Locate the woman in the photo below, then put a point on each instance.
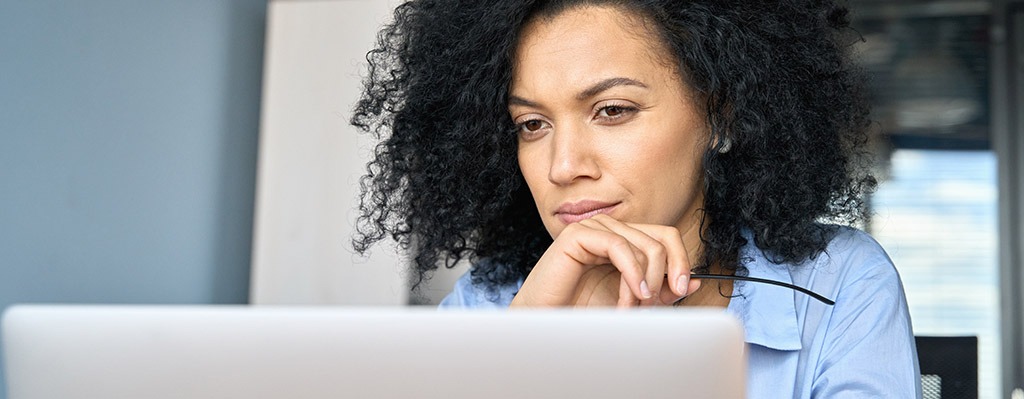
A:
(600, 153)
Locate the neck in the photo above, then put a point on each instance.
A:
(715, 293)
(690, 231)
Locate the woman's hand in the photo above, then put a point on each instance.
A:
(601, 261)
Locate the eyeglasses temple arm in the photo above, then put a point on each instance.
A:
(812, 294)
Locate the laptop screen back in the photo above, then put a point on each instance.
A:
(294, 352)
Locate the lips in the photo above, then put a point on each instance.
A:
(574, 212)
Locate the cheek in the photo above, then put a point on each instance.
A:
(662, 167)
(535, 171)
(683, 158)
(530, 166)
(680, 146)
(654, 158)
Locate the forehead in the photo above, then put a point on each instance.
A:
(589, 43)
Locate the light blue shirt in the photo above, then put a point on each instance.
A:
(861, 347)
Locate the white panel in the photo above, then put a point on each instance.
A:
(311, 160)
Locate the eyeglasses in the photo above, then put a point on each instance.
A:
(803, 290)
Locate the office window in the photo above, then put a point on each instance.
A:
(936, 208)
(936, 215)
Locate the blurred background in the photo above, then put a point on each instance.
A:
(197, 152)
(943, 124)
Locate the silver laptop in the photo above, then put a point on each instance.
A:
(295, 352)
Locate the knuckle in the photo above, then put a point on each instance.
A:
(590, 223)
(572, 229)
(617, 241)
(641, 257)
(657, 249)
(671, 232)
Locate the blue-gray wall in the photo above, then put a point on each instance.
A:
(128, 153)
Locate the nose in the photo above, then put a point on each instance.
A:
(572, 156)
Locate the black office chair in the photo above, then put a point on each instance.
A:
(949, 367)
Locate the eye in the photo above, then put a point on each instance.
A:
(615, 112)
(532, 128)
(612, 111)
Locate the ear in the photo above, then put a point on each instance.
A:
(726, 145)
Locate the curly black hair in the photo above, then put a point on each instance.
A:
(774, 79)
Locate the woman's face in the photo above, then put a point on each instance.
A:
(606, 124)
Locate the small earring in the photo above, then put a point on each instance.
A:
(726, 145)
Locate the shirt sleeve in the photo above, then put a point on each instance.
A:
(869, 348)
(469, 295)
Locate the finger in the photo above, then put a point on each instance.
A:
(653, 249)
(626, 298)
(678, 260)
(556, 275)
(588, 246)
(694, 285)
(592, 224)
(668, 296)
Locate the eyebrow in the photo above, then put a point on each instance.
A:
(592, 91)
(606, 84)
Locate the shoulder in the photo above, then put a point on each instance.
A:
(848, 241)
(472, 293)
(862, 345)
(851, 256)
(854, 271)
(866, 341)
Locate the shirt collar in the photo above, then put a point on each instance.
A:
(768, 312)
